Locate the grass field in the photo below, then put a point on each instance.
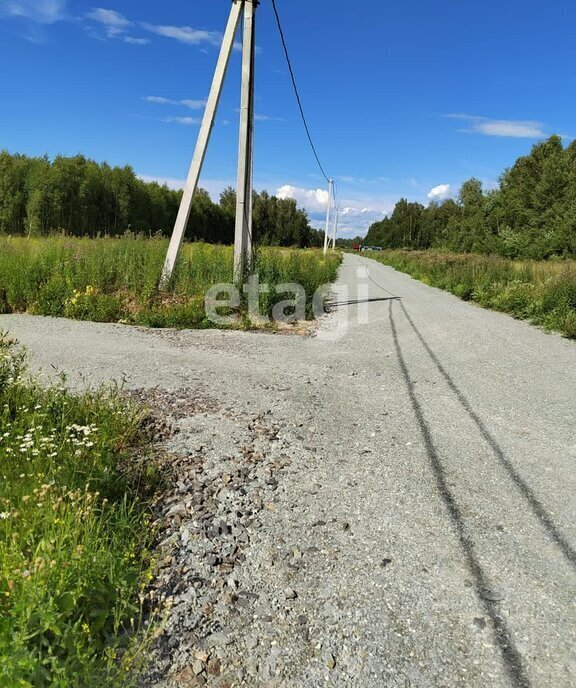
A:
(112, 280)
(543, 292)
(73, 535)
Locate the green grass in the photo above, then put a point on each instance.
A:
(115, 280)
(542, 292)
(73, 533)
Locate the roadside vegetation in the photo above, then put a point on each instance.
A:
(531, 214)
(115, 280)
(73, 534)
(543, 292)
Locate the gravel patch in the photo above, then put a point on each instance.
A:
(223, 472)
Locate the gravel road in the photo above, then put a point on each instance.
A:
(416, 520)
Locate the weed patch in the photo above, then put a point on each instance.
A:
(73, 535)
(115, 280)
(543, 292)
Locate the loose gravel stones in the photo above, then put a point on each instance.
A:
(492, 595)
(222, 472)
(231, 577)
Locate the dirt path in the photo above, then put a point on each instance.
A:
(405, 483)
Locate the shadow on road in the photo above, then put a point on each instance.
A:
(339, 304)
(510, 654)
(526, 491)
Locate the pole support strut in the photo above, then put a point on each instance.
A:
(243, 233)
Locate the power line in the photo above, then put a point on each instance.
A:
(296, 91)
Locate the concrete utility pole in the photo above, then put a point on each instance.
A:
(335, 230)
(328, 213)
(243, 233)
(243, 236)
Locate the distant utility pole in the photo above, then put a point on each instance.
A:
(328, 213)
(335, 230)
(243, 232)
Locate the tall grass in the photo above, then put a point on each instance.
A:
(543, 292)
(113, 280)
(72, 535)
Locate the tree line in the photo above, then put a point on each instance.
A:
(80, 197)
(532, 213)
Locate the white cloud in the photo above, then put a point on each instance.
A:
(312, 200)
(160, 100)
(40, 11)
(194, 104)
(259, 117)
(136, 41)
(187, 121)
(186, 34)
(355, 220)
(114, 23)
(359, 211)
(190, 104)
(356, 214)
(440, 192)
(527, 129)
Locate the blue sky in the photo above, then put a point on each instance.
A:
(403, 98)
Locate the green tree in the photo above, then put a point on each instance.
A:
(13, 173)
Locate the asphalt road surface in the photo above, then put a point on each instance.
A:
(442, 435)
